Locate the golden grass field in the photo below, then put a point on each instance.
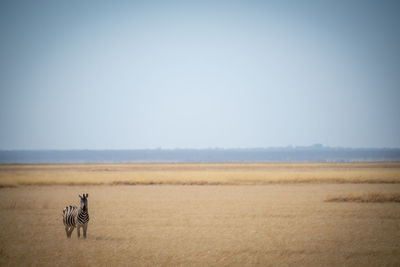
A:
(272, 214)
(199, 174)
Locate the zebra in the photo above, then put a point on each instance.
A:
(76, 217)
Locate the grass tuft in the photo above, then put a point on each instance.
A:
(366, 197)
(8, 186)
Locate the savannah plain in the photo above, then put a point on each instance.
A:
(250, 214)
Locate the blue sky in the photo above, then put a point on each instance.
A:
(198, 74)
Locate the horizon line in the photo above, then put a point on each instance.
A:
(314, 146)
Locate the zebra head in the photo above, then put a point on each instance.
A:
(84, 203)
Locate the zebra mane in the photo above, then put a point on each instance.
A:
(84, 196)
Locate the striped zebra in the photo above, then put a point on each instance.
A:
(76, 217)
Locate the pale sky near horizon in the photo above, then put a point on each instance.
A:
(199, 74)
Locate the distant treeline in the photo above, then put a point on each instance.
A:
(314, 153)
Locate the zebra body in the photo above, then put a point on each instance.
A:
(76, 217)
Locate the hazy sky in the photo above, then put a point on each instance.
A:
(198, 74)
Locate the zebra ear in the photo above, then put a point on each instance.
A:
(87, 195)
(79, 196)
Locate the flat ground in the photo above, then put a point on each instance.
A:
(200, 225)
(219, 225)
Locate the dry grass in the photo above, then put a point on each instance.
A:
(281, 219)
(199, 174)
(366, 197)
(269, 225)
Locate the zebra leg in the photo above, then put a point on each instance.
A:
(67, 232)
(78, 229)
(84, 230)
(71, 229)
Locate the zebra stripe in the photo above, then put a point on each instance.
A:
(83, 217)
(69, 215)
